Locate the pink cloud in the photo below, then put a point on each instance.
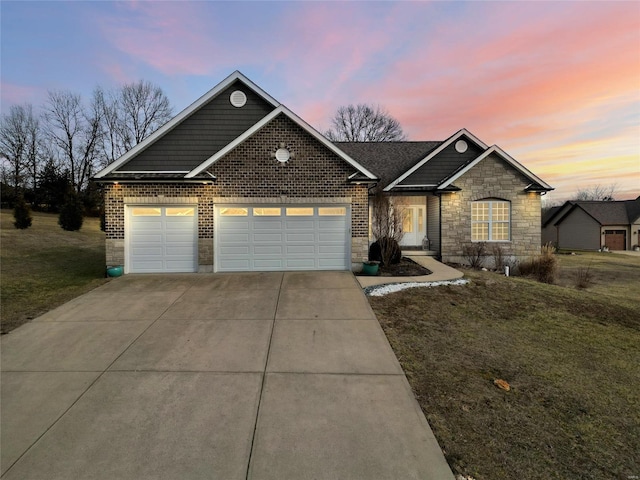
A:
(12, 94)
(171, 37)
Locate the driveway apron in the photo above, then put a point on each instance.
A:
(224, 376)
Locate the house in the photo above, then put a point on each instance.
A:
(238, 182)
(585, 225)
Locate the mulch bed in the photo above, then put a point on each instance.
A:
(406, 268)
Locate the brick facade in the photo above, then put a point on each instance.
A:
(491, 178)
(251, 173)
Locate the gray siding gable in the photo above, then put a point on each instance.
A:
(443, 165)
(202, 134)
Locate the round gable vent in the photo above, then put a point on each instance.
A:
(238, 99)
(283, 155)
(461, 146)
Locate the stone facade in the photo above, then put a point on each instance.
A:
(491, 178)
(250, 174)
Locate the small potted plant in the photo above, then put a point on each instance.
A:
(636, 248)
(370, 267)
(605, 248)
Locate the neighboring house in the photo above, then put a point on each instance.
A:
(582, 225)
(238, 182)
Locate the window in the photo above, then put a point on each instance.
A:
(490, 221)
(266, 212)
(299, 212)
(145, 212)
(234, 212)
(332, 211)
(180, 211)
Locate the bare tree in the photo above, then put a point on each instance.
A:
(145, 108)
(364, 123)
(598, 192)
(387, 215)
(129, 115)
(75, 131)
(19, 132)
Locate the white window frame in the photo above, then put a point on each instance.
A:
(490, 221)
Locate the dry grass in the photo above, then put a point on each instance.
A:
(570, 356)
(44, 266)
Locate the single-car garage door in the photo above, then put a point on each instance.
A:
(161, 239)
(615, 239)
(265, 237)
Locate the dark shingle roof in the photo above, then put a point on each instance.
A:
(606, 213)
(633, 209)
(387, 160)
(548, 215)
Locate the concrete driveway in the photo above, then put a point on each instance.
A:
(224, 376)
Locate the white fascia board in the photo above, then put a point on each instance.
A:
(327, 143)
(304, 125)
(153, 171)
(414, 186)
(221, 153)
(167, 127)
(505, 156)
(442, 146)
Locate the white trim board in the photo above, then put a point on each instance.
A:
(171, 124)
(435, 152)
(261, 124)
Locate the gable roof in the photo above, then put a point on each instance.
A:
(185, 170)
(536, 182)
(433, 153)
(429, 165)
(620, 212)
(183, 115)
(388, 160)
(281, 110)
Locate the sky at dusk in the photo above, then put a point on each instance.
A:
(555, 84)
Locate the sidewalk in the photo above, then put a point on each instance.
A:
(440, 272)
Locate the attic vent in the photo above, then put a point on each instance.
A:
(238, 99)
(461, 146)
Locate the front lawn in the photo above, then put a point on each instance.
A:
(44, 266)
(571, 357)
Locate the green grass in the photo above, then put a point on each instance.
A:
(571, 356)
(44, 266)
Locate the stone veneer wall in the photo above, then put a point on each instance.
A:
(491, 178)
(250, 173)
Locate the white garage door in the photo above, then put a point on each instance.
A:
(263, 238)
(161, 239)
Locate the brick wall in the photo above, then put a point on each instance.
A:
(491, 178)
(251, 173)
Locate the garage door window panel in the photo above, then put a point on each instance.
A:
(234, 212)
(267, 212)
(300, 212)
(146, 212)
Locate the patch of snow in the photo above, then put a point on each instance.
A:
(380, 290)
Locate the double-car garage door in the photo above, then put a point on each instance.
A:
(265, 237)
(247, 238)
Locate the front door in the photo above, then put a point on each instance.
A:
(414, 225)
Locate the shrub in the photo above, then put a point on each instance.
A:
(584, 277)
(71, 212)
(543, 268)
(475, 254)
(21, 214)
(386, 251)
(499, 260)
